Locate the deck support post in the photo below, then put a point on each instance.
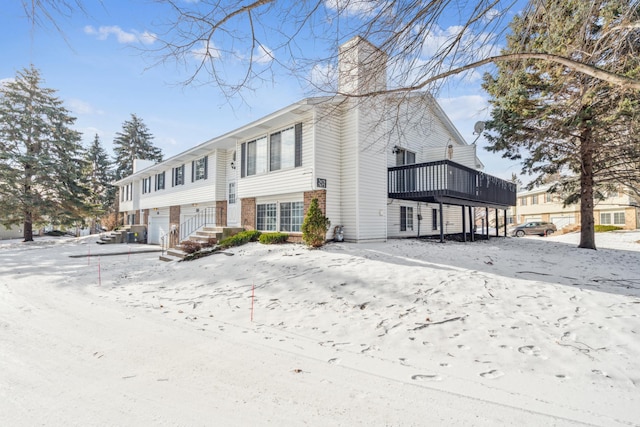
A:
(464, 226)
(497, 226)
(472, 225)
(505, 223)
(486, 215)
(441, 224)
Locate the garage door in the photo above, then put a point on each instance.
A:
(563, 221)
(158, 227)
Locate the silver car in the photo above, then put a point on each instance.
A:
(535, 227)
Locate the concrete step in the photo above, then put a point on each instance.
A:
(176, 252)
(169, 258)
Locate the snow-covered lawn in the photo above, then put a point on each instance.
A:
(529, 331)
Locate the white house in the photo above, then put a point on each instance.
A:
(381, 167)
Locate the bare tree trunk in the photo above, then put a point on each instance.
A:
(28, 227)
(587, 231)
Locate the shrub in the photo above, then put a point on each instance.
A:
(189, 246)
(240, 238)
(211, 242)
(605, 228)
(315, 226)
(273, 238)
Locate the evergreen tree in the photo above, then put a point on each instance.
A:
(40, 157)
(98, 177)
(134, 142)
(315, 226)
(565, 124)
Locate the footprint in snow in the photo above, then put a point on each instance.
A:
(492, 374)
(426, 377)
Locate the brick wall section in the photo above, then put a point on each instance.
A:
(136, 221)
(221, 213)
(248, 213)
(145, 218)
(174, 222)
(321, 195)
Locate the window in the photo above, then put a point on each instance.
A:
(257, 156)
(283, 150)
(126, 192)
(404, 157)
(534, 199)
(406, 218)
(199, 169)
(146, 185)
(523, 201)
(548, 198)
(618, 218)
(291, 216)
(282, 146)
(177, 175)
(232, 193)
(160, 181)
(434, 219)
(266, 217)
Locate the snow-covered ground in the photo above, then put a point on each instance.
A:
(529, 331)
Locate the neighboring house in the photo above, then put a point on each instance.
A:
(380, 167)
(14, 232)
(617, 209)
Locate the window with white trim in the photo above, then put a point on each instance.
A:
(404, 157)
(232, 193)
(276, 151)
(160, 181)
(291, 216)
(534, 199)
(406, 218)
(146, 185)
(266, 217)
(177, 176)
(199, 169)
(618, 218)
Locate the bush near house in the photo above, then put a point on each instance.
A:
(273, 238)
(211, 242)
(240, 238)
(190, 247)
(315, 226)
(605, 228)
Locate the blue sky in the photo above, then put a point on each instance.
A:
(101, 73)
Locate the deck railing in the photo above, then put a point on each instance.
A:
(444, 178)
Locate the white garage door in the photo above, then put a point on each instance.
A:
(563, 221)
(158, 227)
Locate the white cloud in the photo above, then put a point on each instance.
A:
(103, 32)
(324, 76)
(82, 107)
(208, 50)
(354, 7)
(263, 55)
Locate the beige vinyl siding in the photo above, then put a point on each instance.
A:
(348, 174)
(222, 164)
(327, 140)
(282, 181)
(372, 175)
